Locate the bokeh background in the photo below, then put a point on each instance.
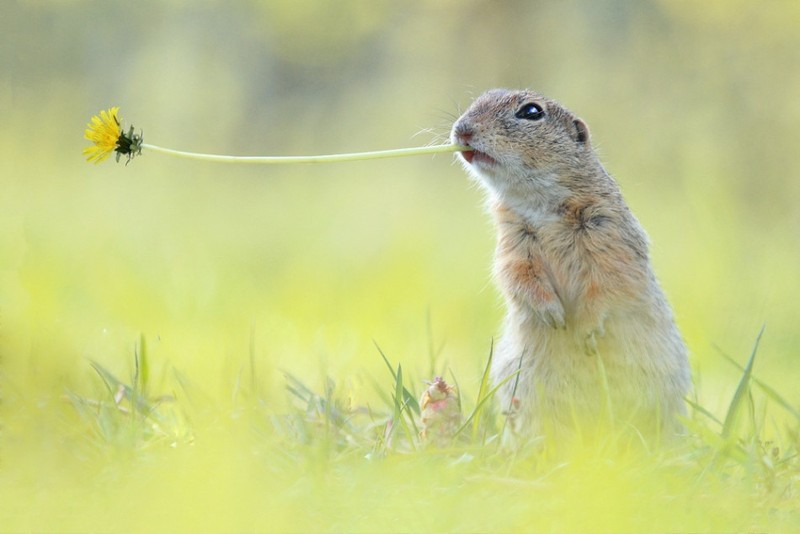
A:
(224, 269)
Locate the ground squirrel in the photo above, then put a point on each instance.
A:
(587, 327)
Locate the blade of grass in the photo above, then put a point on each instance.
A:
(397, 408)
(457, 386)
(111, 382)
(413, 431)
(741, 391)
(513, 394)
(703, 411)
(771, 393)
(483, 401)
(139, 403)
(482, 389)
(398, 392)
(409, 398)
(298, 388)
(142, 367)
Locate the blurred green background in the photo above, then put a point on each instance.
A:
(694, 108)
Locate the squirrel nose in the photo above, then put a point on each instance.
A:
(462, 133)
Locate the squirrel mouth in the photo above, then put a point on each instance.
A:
(475, 157)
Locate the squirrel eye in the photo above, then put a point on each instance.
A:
(531, 112)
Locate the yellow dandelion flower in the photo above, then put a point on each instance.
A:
(105, 133)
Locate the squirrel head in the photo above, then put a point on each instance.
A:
(520, 139)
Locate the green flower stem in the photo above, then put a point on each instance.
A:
(330, 158)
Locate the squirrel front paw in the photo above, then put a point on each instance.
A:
(552, 314)
(590, 340)
(527, 283)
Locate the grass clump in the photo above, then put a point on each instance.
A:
(127, 415)
(318, 457)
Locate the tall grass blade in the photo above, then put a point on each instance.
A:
(142, 366)
(139, 403)
(458, 388)
(398, 405)
(297, 388)
(482, 390)
(407, 396)
(513, 392)
(398, 394)
(695, 406)
(484, 400)
(771, 393)
(741, 391)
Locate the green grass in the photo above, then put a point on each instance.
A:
(155, 451)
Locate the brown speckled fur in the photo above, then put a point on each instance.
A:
(587, 325)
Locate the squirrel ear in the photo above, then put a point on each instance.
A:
(581, 132)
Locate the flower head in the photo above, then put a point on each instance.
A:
(441, 413)
(105, 132)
